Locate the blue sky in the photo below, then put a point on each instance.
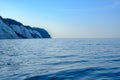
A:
(67, 18)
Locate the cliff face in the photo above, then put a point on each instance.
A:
(11, 29)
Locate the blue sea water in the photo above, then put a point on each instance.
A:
(60, 59)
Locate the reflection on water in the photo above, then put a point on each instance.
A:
(60, 59)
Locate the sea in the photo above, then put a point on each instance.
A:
(60, 59)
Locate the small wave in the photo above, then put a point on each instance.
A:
(65, 56)
(79, 74)
(66, 62)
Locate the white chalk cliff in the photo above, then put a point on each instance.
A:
(11, 29)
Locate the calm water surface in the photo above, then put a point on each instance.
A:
(60, 59)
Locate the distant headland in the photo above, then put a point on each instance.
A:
(12, 29)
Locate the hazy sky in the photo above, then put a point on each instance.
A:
(67, 18)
